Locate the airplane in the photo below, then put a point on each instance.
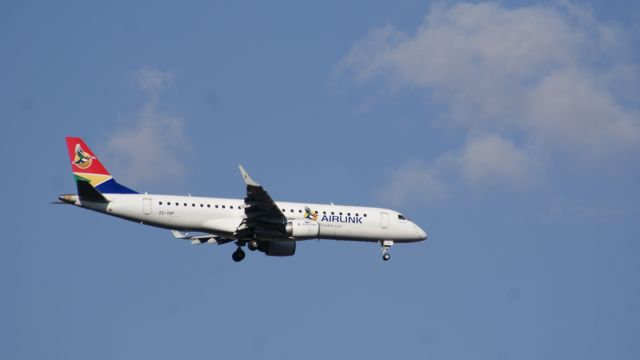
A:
(257, 221)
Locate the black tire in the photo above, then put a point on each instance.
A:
(238, 255)
(386, 257)
(252, 245)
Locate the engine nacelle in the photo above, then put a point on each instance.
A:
(278, 247)
(303, 229)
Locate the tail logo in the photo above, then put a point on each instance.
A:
(310, 215)
(82, 159)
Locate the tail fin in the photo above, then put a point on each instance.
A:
(89, 172)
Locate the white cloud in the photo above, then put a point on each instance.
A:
(548, 76)
(491, 160)
(570, 111)
(416, 180)
(153, 80)
(151, 147)
(486, 162)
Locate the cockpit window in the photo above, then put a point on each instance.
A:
(400, 217)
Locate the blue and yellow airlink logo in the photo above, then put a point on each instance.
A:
(313, 215)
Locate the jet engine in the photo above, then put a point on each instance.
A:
(303, 229)
(278, 247)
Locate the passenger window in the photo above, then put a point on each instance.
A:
(324, 213)
(185, 204)
(208, 205)
(231, 207)
(193, 205)
(348, 214)
(341, 213)
(160, 203)
(223, 206)
(177, 204)
(356, 214)
(300, 211)
(365, 215)
(201, 205)
(332, 213)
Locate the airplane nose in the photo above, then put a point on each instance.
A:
(422, 235)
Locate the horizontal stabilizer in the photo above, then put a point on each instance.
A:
(86, 192)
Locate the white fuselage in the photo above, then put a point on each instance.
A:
(222, 217)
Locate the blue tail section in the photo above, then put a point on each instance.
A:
(111, 186)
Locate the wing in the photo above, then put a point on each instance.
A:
(201, 239)
(264, 220)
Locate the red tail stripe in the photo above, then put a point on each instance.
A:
(88, 165)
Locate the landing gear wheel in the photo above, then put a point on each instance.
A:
(252, 245)
(386, 244)
(238, 255)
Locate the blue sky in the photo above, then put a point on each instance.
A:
(510, 131)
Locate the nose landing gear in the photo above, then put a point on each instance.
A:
(386, 244)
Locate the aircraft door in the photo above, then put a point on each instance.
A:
(384, 220)
(146, 206)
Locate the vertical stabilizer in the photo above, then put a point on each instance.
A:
(89, 170)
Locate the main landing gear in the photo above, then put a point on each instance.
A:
(252, 245)
(386, 244)
(239, 254)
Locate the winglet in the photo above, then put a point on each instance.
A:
(247, 179)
